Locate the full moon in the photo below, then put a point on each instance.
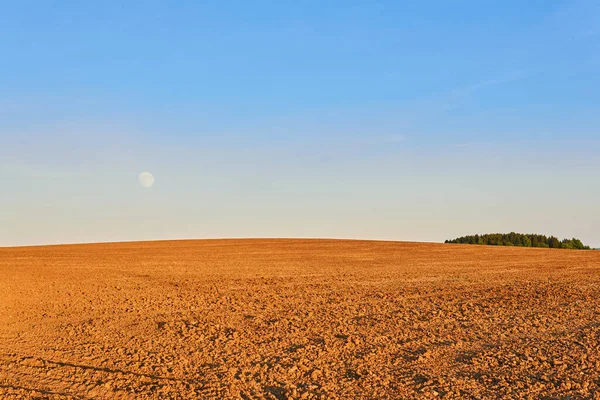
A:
(146, 179)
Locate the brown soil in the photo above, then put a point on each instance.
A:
(298, 319)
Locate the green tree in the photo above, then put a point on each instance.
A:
(521, 240)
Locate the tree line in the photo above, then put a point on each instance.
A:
(522, 240)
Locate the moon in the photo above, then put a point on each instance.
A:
(146, 179)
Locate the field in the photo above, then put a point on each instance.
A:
(298, 319)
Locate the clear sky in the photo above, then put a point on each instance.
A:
(349, 119)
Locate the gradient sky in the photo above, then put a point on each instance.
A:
(349, 119)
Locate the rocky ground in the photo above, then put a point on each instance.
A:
(298, 319)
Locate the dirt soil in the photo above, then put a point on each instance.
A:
(298, 319)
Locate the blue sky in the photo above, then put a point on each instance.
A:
(371, 119)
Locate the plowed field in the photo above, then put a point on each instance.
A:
(298, 319)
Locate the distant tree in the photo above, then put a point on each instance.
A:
(566, 244)
(521, 240)
(553, 242)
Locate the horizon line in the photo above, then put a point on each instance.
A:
(215, 239)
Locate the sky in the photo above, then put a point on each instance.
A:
(337, 119)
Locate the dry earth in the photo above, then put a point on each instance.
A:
(298, 319)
